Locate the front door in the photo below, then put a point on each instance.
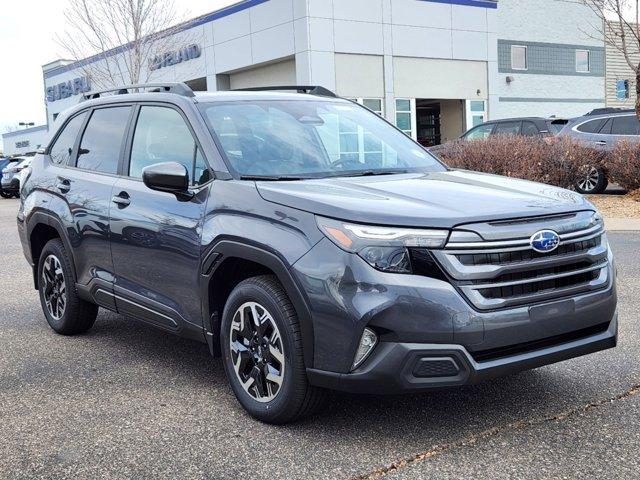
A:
(155, 236)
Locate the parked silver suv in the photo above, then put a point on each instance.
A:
(602, 128)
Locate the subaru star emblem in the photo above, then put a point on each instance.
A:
(545, 241)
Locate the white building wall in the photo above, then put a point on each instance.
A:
(24, 141)
(553, 24)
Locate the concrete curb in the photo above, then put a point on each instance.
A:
(622, 224)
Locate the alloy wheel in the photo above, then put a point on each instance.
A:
(257, 352)
(54, 287)
(590, 180)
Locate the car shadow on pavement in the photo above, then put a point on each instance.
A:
(188, 362)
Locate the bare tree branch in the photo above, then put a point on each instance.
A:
(114, 40)
(620, 30)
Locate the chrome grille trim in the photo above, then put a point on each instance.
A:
(524, 242)
(509, 273)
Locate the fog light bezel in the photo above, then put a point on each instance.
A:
(366, 333)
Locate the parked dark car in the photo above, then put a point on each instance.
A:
(602, 129)
(526, 126)
(235, 219)
(9, 181)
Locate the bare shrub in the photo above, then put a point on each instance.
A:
(623, 165)
(559, 161)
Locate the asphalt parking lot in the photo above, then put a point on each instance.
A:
(127, 401)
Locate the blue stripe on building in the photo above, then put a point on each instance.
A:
(468, 3)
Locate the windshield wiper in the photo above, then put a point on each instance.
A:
(269, 178)
(370, 173)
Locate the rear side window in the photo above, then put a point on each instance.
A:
(627, 125)
(162, 135)
(102, 140)
(592, 126)
(529, 129)
(507, 128)
(62, 148)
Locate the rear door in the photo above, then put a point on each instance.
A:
(155, 235)
(84, 185)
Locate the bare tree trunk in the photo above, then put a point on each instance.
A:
(638, 93)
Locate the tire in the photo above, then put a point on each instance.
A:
(65, 312)
(16, 195)
(594, 181)
(294, 398)
(4, 194)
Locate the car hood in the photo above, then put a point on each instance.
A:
(442, 199)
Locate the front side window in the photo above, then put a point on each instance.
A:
(518, 57)
(161, 135)
(60, 151)
(102, 140)
(311, 139)
(582, 61)
(479, 133)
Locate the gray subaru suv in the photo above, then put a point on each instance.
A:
(310, 244)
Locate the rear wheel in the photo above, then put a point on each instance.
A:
(262, 353)
(65, 312)
(4, 194)
(594, 181)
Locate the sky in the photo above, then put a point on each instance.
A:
(27, 41)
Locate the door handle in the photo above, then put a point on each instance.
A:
(122, 199)
(63, 184)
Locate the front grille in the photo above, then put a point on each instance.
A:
(525, 255)
(508, 273)
(538, 287)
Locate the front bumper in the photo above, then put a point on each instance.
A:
(414, 367)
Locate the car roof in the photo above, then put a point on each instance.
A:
(519, 119)
(199, 97)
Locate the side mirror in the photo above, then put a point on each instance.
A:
(169, 177)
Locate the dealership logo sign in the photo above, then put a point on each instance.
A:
(68, 89)
(174, 57)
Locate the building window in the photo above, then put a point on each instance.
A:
(582, 61)
(622, 89)
(357, 144)
(403, 116)
(518, 57)
(373, 104)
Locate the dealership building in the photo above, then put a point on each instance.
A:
(432, 67)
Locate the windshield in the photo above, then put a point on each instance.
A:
(311, 139)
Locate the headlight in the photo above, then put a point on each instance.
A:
(384, 248)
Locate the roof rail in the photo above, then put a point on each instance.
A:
(603, 111)
(177, 88)
(308, 89)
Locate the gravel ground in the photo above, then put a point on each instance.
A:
(616, 206)
(128, 401)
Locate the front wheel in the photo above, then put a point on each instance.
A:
(594, 181)
(262, 353)
(4, 194)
